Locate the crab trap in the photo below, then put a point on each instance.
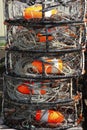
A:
(60, 10)
(44, 58)
(61, 117)
(25, 90)
(33, 104)
(45, 65)
(57, 38)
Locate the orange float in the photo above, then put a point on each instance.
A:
(49, 116)
(43, 38)
(35, 11)
(54, 66)
(25, 89)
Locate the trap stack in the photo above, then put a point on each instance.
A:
(44, 59)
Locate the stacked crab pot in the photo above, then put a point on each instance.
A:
(44, 59)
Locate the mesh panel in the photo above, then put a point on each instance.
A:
(63, 10)
(28, 64)
(58, 38)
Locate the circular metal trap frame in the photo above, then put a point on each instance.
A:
(44, 65)
(66, 38)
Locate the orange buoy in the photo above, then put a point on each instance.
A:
(25, 89)
(43, 38)
(49, 116)
(35, 11)
(54, 66)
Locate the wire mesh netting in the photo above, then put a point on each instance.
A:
(39, 91)
(62, 10)
(23, 117)
(57, 38)
(44, 64)
(44, 58)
